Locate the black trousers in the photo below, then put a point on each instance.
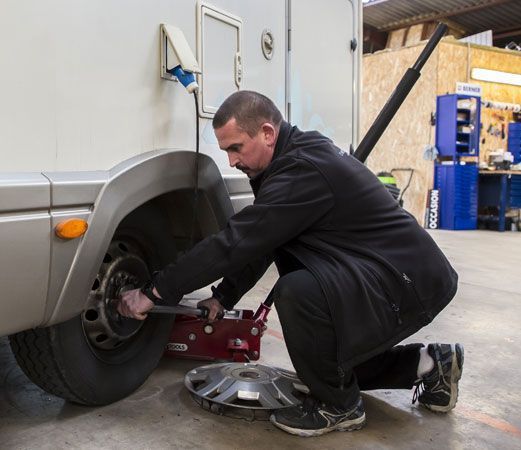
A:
(311, 342)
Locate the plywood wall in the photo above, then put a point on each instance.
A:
(414, 34)
(396, 38)
(403, 143)
(495, 122)
(452, 66)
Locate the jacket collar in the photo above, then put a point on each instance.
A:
(283, 139)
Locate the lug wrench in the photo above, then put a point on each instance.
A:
(164, 309)
(186, 310)
(201, 312)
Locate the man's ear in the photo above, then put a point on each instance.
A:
(269, 132)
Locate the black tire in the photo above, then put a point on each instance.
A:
(68, 361)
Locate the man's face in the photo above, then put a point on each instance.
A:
(251, 155)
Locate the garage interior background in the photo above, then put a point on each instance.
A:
(396, 31)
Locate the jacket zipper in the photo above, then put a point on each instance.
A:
(394, 306)
(409, 282)
(396, 310)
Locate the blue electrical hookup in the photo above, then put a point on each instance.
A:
(187, 79)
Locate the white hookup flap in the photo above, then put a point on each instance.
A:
(180, 46)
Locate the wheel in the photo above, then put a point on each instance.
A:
(99, 357)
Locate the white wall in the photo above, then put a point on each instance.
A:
(80, 86)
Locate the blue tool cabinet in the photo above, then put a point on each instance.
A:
(514, 141)
(457, 136)
(458, 187)
(457, 125)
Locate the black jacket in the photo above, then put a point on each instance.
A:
(383, 276)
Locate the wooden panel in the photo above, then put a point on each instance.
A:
(452, 66)
(428, 29)
(496, 59)
(456, 60)
(414, 34)
(495, 122)
(396, 38)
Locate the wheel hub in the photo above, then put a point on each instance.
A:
(122, 269)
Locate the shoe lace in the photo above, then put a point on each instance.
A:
(419, 388)
(424, 384)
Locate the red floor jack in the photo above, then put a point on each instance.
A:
(236, 337)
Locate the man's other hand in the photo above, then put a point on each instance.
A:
(134, 304)
(215, 308)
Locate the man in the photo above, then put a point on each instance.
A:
(357, 272)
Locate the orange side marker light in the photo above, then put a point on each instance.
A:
(71, 228)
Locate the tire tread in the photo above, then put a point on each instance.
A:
(34, 354)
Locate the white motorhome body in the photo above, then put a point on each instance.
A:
(89, 129)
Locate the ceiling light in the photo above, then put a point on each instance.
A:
(496, 76)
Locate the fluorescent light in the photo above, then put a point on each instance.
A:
(496, 76)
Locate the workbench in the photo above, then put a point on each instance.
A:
(501, 189)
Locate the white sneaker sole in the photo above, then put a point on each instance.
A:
(350, 425)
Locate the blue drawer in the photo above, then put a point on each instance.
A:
(514, 135)
(515, 191)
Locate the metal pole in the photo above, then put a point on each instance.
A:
(397, 97)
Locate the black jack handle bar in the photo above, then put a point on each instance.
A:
(398, 96)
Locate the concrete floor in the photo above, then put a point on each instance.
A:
(485, 317)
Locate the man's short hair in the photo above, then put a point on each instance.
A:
(250, 110)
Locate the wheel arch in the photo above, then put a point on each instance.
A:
(161, 181)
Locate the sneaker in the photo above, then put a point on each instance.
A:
(439, 387)
(313, 418)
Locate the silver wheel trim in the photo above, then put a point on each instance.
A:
(244, 386)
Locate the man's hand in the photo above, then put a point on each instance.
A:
(134, 304)
(214, 308)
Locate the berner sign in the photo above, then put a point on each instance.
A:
(468, 89)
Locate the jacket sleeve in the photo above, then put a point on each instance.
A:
(234, 286)
(293, 197)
